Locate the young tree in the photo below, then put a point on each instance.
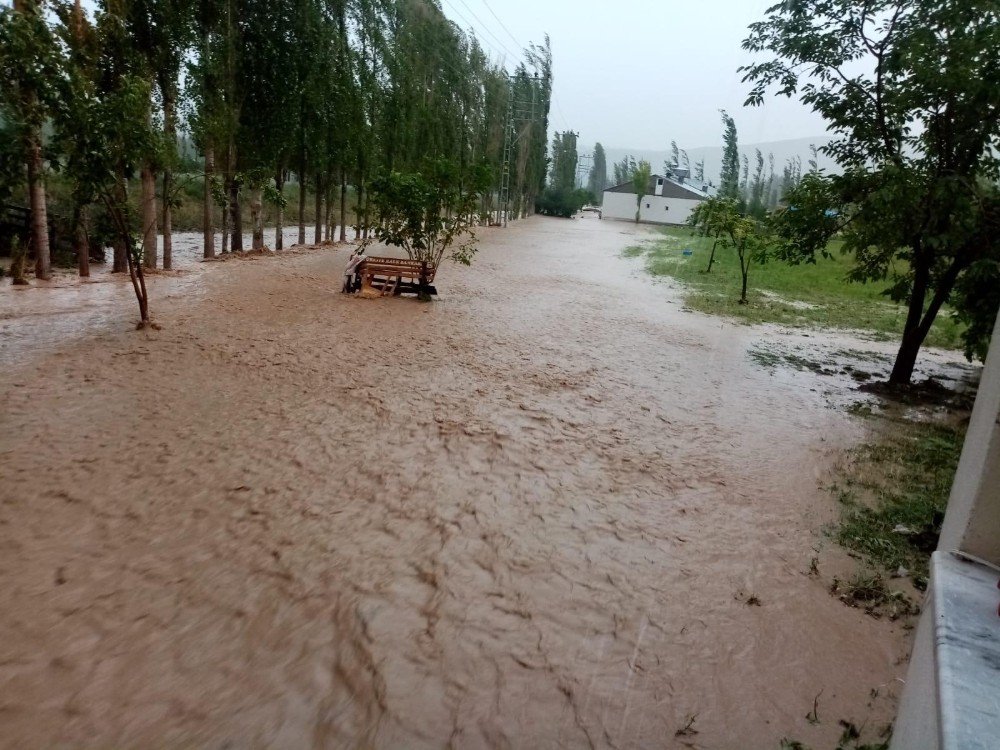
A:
(428, 213)
(675, 159)
(729, 179)
(749, 237)
(640, 182)
(911, 90)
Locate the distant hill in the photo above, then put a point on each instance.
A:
(782, 150)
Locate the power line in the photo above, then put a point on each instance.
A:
(473, 27)
(502, 26)
(487, 28)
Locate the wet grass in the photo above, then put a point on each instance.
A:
(770, 358)
(894, 491)
(868, 590)
(807, 295)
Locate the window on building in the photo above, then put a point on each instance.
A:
(647, 205)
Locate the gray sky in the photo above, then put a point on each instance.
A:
(638, 73)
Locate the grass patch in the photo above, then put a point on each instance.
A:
(894, 492)
(807, 295)
(868, 590)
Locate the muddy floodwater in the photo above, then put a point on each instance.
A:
(550, 509)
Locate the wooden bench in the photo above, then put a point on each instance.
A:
(395, 276)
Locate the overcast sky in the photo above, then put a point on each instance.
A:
(638, 73)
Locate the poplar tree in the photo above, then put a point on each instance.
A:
(598, 179)
(729, 179)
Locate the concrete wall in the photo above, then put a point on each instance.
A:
(660, 210)
(972, 523)
(972, 527)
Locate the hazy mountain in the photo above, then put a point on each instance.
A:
(782, 150)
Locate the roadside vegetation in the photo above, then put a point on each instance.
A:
(894, 491)
(807, 295)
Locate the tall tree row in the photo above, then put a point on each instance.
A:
(316, 98)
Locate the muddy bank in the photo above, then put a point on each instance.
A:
(532, 513)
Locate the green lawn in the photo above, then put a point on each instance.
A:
(807, 295)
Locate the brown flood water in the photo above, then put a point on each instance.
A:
(529, 514)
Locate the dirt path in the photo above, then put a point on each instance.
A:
(530, 514)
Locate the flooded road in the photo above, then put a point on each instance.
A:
(550, 509)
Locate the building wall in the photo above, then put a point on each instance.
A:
(661, 210)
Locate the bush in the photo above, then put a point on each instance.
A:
(563, 203)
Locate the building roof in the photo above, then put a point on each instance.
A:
(671, 189)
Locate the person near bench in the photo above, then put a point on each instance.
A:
(352, 277)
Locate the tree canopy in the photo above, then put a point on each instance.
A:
(911, 91)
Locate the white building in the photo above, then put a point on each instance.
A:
(668, 200)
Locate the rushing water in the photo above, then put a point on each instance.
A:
(538, 512)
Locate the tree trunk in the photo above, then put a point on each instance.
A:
(279, 219)
(168, 245)
(328, 209)
(711, 257)
(318, 234)
(39, 209)
(257, 219)
(365, 216)
(906, 357)
(357, 211)
(120, 264)
(207, 225)
(225, 220)
(302, 206)
(81, 245)
(918, 321)
(115, 207)
(138, 284)
(745, 273)
(170, 133)
(148, 215)
(343, 205)
(236, 236)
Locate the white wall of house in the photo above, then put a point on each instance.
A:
(655, 209)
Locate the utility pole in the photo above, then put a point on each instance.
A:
(584, 164)
(508, 147)
(511, 139)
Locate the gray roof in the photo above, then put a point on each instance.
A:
(671, 189)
